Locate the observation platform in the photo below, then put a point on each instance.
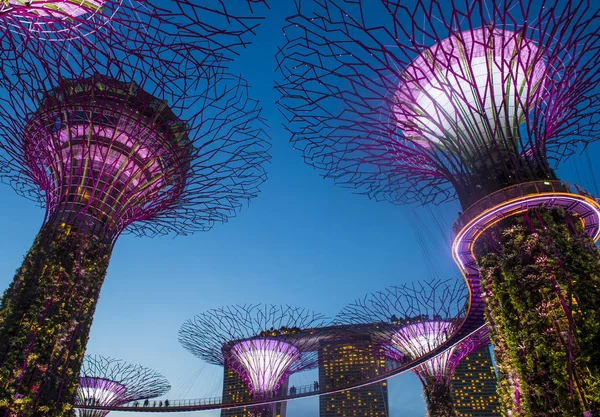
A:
(505, 203)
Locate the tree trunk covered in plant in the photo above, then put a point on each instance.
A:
(438, 397)
(45, 319)
(540, 277)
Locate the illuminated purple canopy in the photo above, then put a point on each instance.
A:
(109, 161)
(99, 391)
(38, 9)
(263, 363)
(106, 381)
(472, 87)
(418, 339)
(264, 344)
(101, 25)
(417, 319)
(57, 19)
(425, 101)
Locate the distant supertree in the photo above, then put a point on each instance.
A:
(419, 318)
(111, 149)
(264, 344)
(424, 101)
(112, 382)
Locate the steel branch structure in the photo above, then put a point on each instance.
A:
(109, 154)
(112, 382)
(264, 344)
(419, 318)
(167, 142)
(420, 101)
(52, 31)
(424, 101)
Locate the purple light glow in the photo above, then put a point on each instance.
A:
(548, 194)
(264, 363)
(99, 391)
(55, 20)
(35, 9)
(418, 339)
(134, 165)
(469, 88)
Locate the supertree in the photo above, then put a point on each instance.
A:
(115, 147)
(263, 344)
(425, 101)
(418, 318)
(106, 381)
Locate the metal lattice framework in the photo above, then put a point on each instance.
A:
(116, 154)
(425, 101)
(418, 318)
(264, 344)
(52, 30)
(165, 61)
(110, 382)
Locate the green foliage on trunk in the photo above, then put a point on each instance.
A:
(438, 397)
(45, 318)
(540, 277)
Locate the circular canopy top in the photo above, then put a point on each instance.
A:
(263, 363)
(474, 87)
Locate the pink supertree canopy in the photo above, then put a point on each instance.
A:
(427, 101)
(110, 154)
(102, 25)
(471, 90)
(417, 320)
(39, 9)
(264, 344)
(263, 363)
(98, 391)
(57, 19)
(134, 167)
(418, 339)
(110, 382)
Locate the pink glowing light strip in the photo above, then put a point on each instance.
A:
(531, 202)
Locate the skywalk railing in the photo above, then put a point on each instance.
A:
(513, 192)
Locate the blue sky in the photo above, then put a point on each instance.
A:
(302, 242)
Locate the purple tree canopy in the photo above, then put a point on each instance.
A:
(122, 113)
(418, 318)
(264, 363)
(264, 344)
(53, 30)
(128, 151)
(425, 101)
(110, 382)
